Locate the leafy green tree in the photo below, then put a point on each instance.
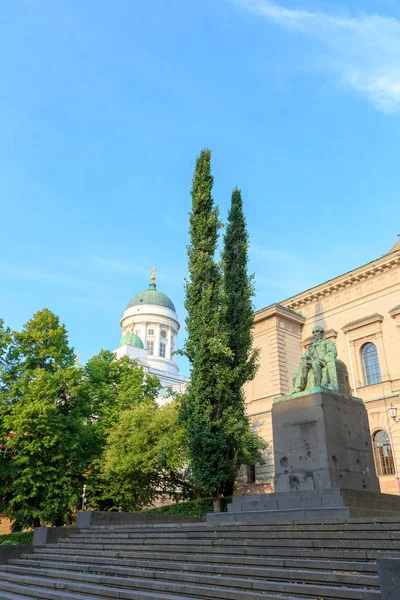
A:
(48, 450)
(9, 361)
(238, 316)
(5, 341)
(6, 473)
(43, 343)
(145, 456)
(42, 425)
(109, 387)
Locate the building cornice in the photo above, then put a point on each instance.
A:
(150, 316)
(395, 312)
(375, 318)
(277, 310)
(379, 266)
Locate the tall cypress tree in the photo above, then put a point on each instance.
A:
(238, 293)
(219, 436)
(244, 446)
(206, 345)
(203, 290)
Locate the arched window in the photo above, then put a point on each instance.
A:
(369, 355)
(383, 453)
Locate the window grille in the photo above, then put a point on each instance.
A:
(383, 453)
(372, 372)
(150, 332)
(162, 350)
(150, 348)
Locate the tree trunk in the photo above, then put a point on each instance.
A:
(217, 504)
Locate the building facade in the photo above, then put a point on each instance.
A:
(360, 312)
(150, 327)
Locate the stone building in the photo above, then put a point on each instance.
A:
(360, 312)
(150, 326)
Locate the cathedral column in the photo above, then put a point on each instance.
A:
(157, 344)
(170, 343)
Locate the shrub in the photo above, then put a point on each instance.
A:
(192, 508)
(21, 538)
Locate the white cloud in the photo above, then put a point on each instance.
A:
(363, 50)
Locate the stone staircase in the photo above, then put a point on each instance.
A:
(283, 561)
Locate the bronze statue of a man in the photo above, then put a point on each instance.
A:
(320, 358)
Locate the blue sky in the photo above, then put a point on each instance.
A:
(104, 107)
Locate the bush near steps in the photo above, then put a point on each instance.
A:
(20, 538)
(191, 508)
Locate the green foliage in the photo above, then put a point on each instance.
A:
(5, 342)
(42, 427)
(206, 345)
(219, 435)
(192, 508)
(145, 456)
(61, 426)
(20, 538)
(6, 474)
(47, 448)
(8, 359)
(245, 447)
(110, 387)
(43, 343)
(238, 294)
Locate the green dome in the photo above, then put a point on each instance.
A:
(152, 296)
(130, 339)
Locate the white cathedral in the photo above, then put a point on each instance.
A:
(149, 329)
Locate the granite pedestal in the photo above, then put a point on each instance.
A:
(322, 441)
(324, 464)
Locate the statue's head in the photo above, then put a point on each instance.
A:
(318, 332)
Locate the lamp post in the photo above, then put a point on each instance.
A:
(392, 410)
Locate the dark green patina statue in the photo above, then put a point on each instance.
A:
(318, 365)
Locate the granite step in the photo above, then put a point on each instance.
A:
(205, 562)
(362, 555)
(183, 571)
(275, 502)
(34, 592)
(327, 534)
(265, 517)
(198, 586)
(286, 542)
(319, 524)
(10, 596)
(349, 524)
(285, 561)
